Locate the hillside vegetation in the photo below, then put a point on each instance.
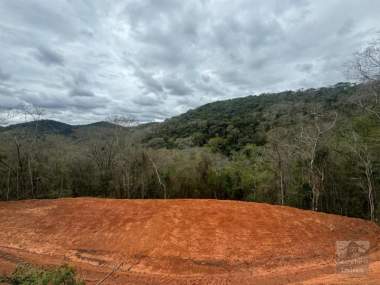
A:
(237, 122)
(313, 149)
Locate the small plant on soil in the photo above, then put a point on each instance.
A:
(26, 274)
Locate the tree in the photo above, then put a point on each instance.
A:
(363, 145)
(363, 154)
(103, 155)
(25, 144)
(218, 144)
(312, 138)
(120, 124)
(365, 67)
(280, 152)
(156, 171)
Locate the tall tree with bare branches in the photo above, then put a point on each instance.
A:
(365, 67)
(311, 138)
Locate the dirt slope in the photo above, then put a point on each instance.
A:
(183, 241)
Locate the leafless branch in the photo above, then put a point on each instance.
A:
(116, 268)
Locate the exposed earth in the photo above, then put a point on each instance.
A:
(183, 241)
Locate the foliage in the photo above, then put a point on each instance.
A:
(26, 274)
(231, 124)
(257, 148)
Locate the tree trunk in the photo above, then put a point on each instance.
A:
(8, 183)
(282, 188)
(371, 202)
(31, 176)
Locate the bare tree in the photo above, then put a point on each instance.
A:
(26, 151)
(4, 166)
(363, 154)
(120, 143)
(365, 67)
(6, 115)
(155, 168)
(121, 124)
(280, 153)
(104, 156)
(311, 137)
(33, 114)
(3, 118)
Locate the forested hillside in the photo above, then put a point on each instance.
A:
(313, 149)
(232, 124)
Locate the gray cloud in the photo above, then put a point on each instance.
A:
(177, 87)
(148, 100)
(77, 103)
(4, 76)
(149, 83)
(154, 59)
(305, 67)
(347, 27)
(48, 56)
(81, 93)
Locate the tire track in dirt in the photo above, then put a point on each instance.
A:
(5, 256)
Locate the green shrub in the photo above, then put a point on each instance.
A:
(26, 274)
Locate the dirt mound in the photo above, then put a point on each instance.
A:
(182, 241)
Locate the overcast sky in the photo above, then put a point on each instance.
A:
(82, 60)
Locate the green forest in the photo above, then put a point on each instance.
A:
(315, 149)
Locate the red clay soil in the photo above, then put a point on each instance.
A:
(183, 241)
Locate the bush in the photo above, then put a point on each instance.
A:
(26, 274)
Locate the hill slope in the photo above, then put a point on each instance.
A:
(181, 241)
(239, 121)
(42, 128)
(247, 120)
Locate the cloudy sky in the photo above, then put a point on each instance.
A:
(82, 60)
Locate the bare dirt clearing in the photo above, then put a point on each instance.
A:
(183, 241)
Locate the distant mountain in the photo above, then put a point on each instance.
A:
(101, 124)
(41, 127)
(51, 127)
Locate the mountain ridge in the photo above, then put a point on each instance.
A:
(48, 126)
(239, 120)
